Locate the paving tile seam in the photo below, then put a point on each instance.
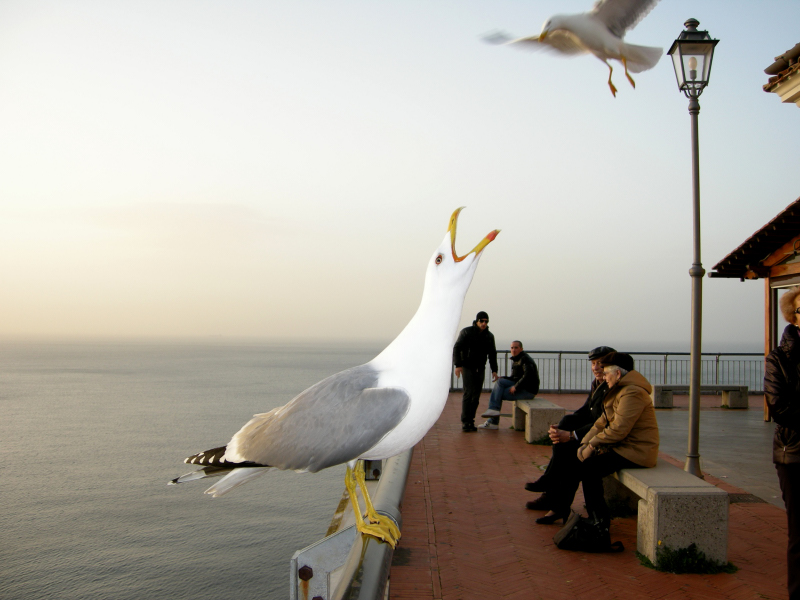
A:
(436, 580)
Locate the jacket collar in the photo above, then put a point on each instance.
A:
(518, 357)
(790, 340)
(633, 378)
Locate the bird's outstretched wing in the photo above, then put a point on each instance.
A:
(621, 15)
(560, 41)
(330, 423)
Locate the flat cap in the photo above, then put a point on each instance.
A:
(600, 351)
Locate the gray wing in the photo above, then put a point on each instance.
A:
(621, 15)
(561, 41)
(332, 422)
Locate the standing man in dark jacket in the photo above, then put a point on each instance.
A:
(474, 345)
(566, 436)
(522, 385)
(782, 391)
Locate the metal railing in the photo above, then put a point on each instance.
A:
(569, 372)
(362, 562)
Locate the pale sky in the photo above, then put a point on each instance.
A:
(284, 169)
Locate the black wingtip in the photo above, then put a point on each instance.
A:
(211, 458)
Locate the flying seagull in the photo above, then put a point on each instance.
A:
(373, 411)
(600, 32)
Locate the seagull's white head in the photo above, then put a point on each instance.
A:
(448, 273)
(435, 324)
(553, 23)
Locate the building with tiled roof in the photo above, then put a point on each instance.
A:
(773, 254)
(785, 80)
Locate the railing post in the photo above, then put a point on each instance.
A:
(716, 371)
(559, 372)
(665, 368)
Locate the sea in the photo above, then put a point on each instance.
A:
(91, 432)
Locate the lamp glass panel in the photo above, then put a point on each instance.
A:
(678, 65)
(693, 67)
(701, 53)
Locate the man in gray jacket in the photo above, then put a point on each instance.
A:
(523, 384)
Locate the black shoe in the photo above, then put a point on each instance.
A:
(540, 485)
(550, 519)
(541, 503)
(468, 427)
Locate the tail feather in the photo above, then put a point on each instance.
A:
(215, 466)
(203, 473)
(641, 58)
(234, 479)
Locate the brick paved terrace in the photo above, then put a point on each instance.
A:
(467, 534)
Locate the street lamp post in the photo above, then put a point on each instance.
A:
(692, 54)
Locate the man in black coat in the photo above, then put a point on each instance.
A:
(474, 345)
(566, 436)
(782, 391)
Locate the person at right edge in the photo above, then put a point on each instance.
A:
(782, 392)
(474, 345)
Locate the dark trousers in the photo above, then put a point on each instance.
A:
(789, 478)
(563, 461)
(590, 473)
(473, 385)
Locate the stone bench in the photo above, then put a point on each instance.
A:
(534, 416)
(733, 396)
(675, 509)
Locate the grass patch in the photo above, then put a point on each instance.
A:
(685, 560)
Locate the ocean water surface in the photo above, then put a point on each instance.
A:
(90, 433)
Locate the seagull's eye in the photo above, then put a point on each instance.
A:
(439, 259)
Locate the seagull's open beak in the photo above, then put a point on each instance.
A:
(477, 249)
(543, 35)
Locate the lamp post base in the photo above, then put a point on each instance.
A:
(693, 465)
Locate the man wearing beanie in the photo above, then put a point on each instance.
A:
(474, 345)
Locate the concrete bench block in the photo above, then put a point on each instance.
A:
(674, 507)
(736, 398)
(677, 518)
(620, 499)
(520, 415)
(663, 474)
(535, 417)
(733, 396)
(662, 398)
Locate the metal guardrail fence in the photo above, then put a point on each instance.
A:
(569, 372)
(362, 562)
